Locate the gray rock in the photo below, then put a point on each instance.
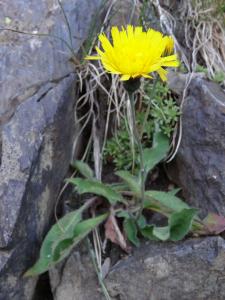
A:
(75, 278)
(28, 62)
(178, 81)
(123, 13)
(37, 90)
(192, 269)
(36, 152)
(199, 164)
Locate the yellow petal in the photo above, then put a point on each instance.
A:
(162, 73)
(138, 30)
(100, 52)
(125, 77)
(146, 76)
(130, 31)
(106, 45)
(115, 35)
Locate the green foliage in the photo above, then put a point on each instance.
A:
(119, 150)
(130, 227)
(201, 69)
(167, 200)
(180, 215)
(163, 111)
(96, 187)
(71, 229)
(161, 233)
(158, 110)
(147, 232)
(158, 151)
(132, 181)
(182, 68)
(222, 8)
(219, 77)
(84, 169)
(179, 224)
(62, 238)
(152, 157)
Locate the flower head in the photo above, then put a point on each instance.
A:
(135, 53)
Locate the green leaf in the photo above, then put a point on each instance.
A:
(180, 223)
(158, 151)
(155, 233)
(130, 228)
(57, 232)
(82, 229)
(147, 232)
(84, 169)
(166, 199)
(62, 246)
(173, 192)
(97, 188)
(123, 214)
(61, 230)
(60, 240)
(141, 222)
(118, 187)
(162, 233)
(131, 181)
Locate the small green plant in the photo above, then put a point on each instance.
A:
(118, 150)
(124, 202)
(219, 77)
(128, 199)
(164, 110)
(201, 69)
(182, 68)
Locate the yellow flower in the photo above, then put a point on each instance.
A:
(134, 53)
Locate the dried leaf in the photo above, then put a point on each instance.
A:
(214, 223)
(114, 234)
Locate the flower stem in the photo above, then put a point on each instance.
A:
(140, 150)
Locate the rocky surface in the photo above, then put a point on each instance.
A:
(37, 90)
(36, 152)
(198, 167)
(75, 278)
(192, 269)
(123, 13)
(29, 62)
